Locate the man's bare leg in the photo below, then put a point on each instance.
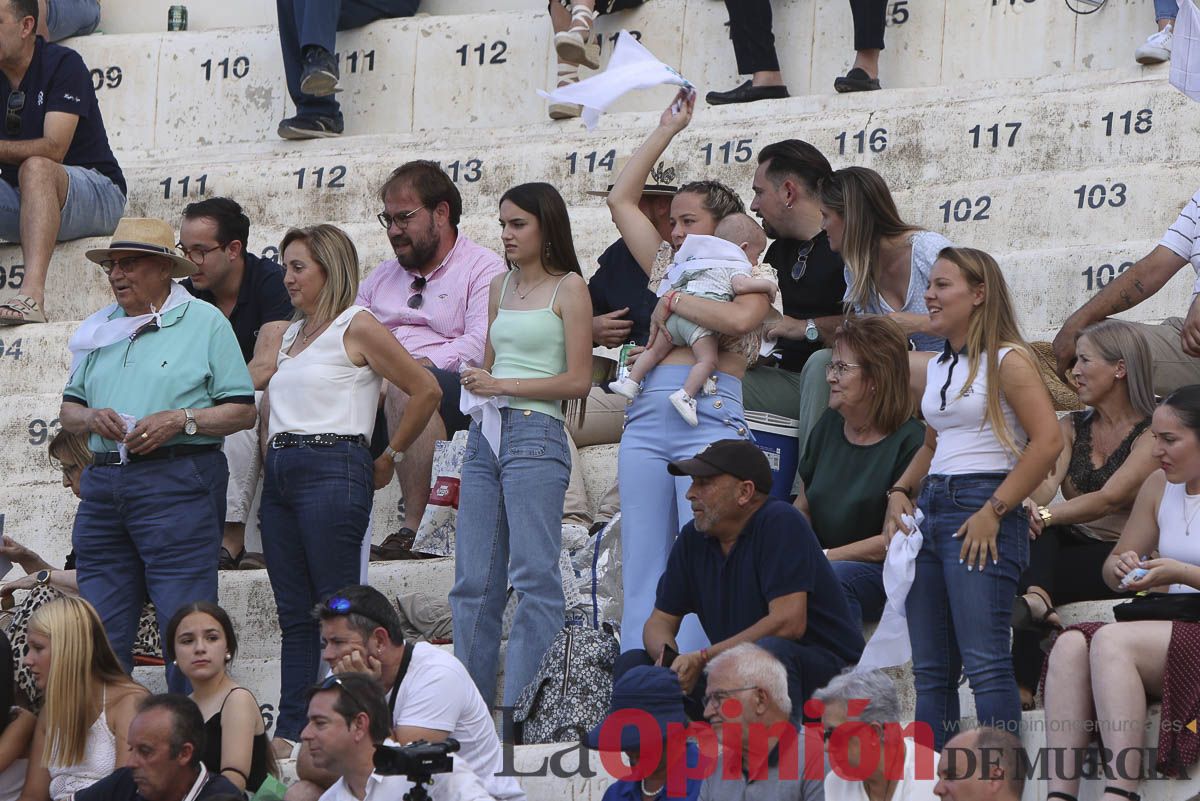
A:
(44, 185)
(415, 472)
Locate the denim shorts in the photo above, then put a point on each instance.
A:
(94, 207)
(66, 18)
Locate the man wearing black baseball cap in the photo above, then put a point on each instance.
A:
(751, 569)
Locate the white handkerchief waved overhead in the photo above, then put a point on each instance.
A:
(631, 67)
(1185, 50)
(485, 412)
(889, 645)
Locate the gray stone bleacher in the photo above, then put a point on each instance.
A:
(193, 114)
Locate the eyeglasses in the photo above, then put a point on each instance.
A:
(838, 369)
(720, 696)
(69, 470)
(12, 119)
(418, 286)
(197, 254)
(108, 265)
(801, 265)
(400, 220)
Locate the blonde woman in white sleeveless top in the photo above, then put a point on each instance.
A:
(319, 477)
(90, 702)
(1106, 672)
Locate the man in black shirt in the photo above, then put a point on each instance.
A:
(249, 291)
(811, 280)
(60, 180)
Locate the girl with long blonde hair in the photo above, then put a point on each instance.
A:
(90, 702)
(991, 437)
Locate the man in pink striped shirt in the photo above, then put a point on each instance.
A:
(434, 298)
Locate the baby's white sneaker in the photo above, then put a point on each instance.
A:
(685, 404)
(626, 387)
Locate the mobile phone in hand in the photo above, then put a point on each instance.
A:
(669, 655)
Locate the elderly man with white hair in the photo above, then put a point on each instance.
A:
(864, 738)
(157, 382)
(748, 688)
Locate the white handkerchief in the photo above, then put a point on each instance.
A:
(1185, 50)
(130, 421)
(485, 412)
(889, 645)
(97, 331)
(631, 67)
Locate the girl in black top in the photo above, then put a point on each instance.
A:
(201, 641)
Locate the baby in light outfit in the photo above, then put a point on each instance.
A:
(717, 267)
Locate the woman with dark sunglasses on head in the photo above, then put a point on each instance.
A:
(319, 477)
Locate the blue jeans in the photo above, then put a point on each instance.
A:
(863, 583)
(1165, 9)
(654, 506)
(316, 22)
(959, 620)
(65, 18)
(509, 531)
(316, 503)
(152, 527)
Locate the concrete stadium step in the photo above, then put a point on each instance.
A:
(394, 74)
(150, 16)
(983, 140)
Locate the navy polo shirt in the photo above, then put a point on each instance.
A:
(619, 283)
(262, 299)
(58, 80)
(776, 554)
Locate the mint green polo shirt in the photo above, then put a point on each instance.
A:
(192, 362)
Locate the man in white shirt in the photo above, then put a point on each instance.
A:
(860, 715)
(347, 719)
(429, 693)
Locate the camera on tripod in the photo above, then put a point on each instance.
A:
(417, 761)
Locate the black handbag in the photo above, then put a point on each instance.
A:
(1181, 606)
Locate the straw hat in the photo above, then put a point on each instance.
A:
(661, 180)
(145, 235)
(1064, 396)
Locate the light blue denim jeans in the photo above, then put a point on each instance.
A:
(959, 620)
(654, 505)
(1165, 9)
(509, 531)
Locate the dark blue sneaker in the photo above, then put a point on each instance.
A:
(310, 128)
(320, 75)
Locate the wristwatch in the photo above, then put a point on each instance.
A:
(396, 456)
(189, 426)
(998, 506)
(1044, 513)
(43, 577)
(810, 331)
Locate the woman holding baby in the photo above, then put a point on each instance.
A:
(654, 506)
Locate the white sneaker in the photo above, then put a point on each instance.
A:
(1157, 47)
(626, 387)
(685, 404)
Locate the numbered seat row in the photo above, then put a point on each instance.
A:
(927, 141)
(482, 70)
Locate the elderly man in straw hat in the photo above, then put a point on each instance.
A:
(157, 381)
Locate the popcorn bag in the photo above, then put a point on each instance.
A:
(435, 535)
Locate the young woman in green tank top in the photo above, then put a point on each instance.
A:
(514, 475)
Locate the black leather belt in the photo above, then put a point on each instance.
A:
(109, 458)
(318, 440)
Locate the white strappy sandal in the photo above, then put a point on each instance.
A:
(575, 45)
(567, 75)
